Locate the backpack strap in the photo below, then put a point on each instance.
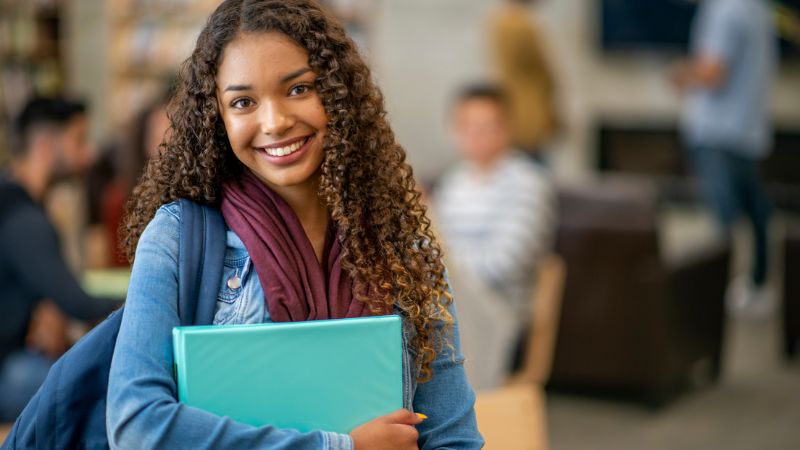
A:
(68, 411)
(201, 250)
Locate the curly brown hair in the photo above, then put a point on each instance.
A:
(389, 248)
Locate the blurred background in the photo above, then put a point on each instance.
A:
(636, 331)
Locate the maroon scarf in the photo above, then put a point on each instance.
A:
(296, 286)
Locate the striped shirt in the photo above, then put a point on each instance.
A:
(498, 225)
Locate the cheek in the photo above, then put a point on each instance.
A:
(72, 150)
(464, 138)
(320, 116)
(237, 131)
(496, 137)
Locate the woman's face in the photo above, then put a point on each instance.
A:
(273, 116)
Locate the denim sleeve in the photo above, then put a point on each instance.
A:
(142, 410)
(449, 402)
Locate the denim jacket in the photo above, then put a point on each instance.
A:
(142, 410)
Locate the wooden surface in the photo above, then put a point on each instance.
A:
(513, 418)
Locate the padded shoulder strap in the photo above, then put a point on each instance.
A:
(201, 250)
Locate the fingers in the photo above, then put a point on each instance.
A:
(396, 431)
(404, 417)
(407, 436)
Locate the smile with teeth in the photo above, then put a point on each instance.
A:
(287, 150)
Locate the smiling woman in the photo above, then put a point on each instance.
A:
(275, 122)
(278, 124)
(273, 116)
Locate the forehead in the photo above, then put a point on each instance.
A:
(482, 107)
(77, 123)
(254, 57)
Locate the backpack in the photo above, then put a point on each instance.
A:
(69, 410)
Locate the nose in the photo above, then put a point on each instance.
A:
(274, 118)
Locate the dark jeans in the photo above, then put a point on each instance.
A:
(731, 185)
(21, 374)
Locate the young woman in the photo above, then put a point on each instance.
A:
(277, 122)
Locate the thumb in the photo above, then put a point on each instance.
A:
(402, 417)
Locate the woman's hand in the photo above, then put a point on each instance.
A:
(393, 431)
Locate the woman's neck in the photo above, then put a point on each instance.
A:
(310, 210)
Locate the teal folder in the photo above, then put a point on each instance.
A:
(330, 375)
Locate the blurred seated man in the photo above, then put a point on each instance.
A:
(51, 141)
(495, 212)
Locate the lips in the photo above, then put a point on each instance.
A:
(286, 152)
(285, 149)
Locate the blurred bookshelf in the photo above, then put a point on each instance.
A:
(148, 40)
(30, 57)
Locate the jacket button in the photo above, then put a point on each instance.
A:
(234, 282)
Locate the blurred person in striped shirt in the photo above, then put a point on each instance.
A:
(495, 213)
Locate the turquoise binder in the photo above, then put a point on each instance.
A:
(330, 375)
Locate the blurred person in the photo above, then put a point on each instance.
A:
(51, 142)
(101, 185)
(112, 178)
(495, 212)
(524, 73)
(726, 124)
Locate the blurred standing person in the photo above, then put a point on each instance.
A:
(726, 124)
(51, 143)
(496, 212)
(524, 73)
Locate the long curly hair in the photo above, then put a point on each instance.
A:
(389, 249)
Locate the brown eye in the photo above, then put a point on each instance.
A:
(241, 103)
(300, 89)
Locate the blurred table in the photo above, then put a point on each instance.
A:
(513, 418)
(112, 283)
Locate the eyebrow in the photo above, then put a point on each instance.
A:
(295, 74)
(238, 87)
(247, 87)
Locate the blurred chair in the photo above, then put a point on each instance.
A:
(791, 290)
(514, 416)
(545, 314)
(488, 326)
(634, 324)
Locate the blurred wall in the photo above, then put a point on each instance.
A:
(421, 51)
(424, 49)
